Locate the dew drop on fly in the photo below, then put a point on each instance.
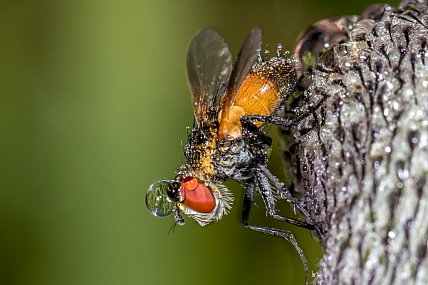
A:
(157, 200)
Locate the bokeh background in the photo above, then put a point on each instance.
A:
(94, 108)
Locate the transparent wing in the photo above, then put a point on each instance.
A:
(246, 58)
(208, 68)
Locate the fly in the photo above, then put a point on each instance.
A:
(227, 141)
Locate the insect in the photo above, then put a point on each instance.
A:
(227, 140)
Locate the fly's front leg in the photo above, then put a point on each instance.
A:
(249, 195)
(178, 220)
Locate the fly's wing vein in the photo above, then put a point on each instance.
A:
(246, 58)
(208, 68)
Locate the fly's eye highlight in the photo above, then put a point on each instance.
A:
(190, 183)
(157, 200)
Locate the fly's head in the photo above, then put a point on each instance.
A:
(201, 200)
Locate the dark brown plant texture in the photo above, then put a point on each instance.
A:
(360, 161)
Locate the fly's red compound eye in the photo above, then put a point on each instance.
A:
(197, 196)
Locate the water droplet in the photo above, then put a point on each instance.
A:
(157, 200)
(279, 49)
(386, 112)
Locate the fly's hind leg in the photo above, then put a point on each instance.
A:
(247, 204)
(289, 237)
(269, 200)
(264, 179)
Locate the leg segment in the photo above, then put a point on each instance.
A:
(248, 202)
(281, 121)
(269, 200)
(284, 191)
(289, 237)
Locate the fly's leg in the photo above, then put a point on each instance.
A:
(178, 220)
(249, 195)
(269, 200)
(270, 203)
(283, 191)
(247, 204)
(258, 137)
(289, 237)
(281, 121)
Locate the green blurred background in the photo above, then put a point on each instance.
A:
(94, 107)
